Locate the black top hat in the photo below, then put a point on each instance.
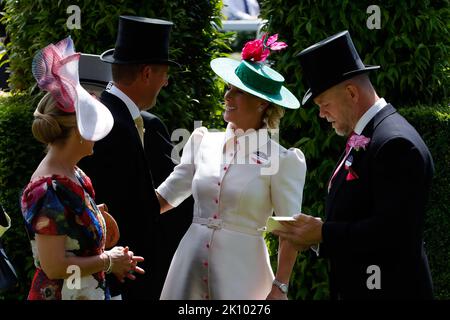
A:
(330, 62)
(141, 40)
(94, 73)
(92, 70)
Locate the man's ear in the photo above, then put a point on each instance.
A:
(352, 92)
(146, 73)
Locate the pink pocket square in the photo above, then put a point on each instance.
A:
(351, 175)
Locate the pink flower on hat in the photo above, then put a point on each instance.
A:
(259, 49)
(357, 141)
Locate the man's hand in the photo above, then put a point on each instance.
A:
(304, 232)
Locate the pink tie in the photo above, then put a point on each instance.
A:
(347, 152)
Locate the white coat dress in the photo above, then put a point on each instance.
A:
(237, 183)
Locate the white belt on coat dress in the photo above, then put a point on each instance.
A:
(219, 224)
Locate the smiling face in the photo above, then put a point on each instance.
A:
(335, 105)
(243, 110)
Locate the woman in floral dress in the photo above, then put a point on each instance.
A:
(67, 229)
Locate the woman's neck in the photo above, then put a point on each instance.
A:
(60, 161)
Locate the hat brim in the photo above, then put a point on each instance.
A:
(225, 69)
(94, 120)
(310, 95)
(92, 69)
(108, 56)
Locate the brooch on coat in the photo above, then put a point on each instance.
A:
(259, 157)
(356, 142)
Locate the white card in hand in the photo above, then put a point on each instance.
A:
(273, 223)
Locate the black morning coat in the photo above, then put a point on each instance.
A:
(373, 233)
(124, 177)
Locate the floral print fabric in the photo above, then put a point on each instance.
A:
(56, 205)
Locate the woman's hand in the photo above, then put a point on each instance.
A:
(123, 261)
(134, 267)
(276, 294)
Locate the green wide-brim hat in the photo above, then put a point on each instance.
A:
(257, 79)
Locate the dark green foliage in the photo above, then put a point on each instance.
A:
(434, 126)
(192, 93)
(19, 156)
(412, 46)
(413, 49)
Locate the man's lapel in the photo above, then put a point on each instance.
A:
(122, 115)
(340, 177)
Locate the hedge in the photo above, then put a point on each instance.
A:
(412, 45)
(192, 93)
(19, 156)
(434, 126)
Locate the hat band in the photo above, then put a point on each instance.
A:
(124, 53)
(257, 81)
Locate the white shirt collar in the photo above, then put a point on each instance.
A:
(369, 114)
(132, 107)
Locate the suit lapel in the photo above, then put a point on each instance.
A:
(340, 177)
(377, 119)
(122, 116)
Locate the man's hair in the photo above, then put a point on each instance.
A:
(362, 80)
(126, 73)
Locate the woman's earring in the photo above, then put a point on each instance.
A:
(260, 108)
(81, 141)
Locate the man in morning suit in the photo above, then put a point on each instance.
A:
(377, 194)
(121, 167)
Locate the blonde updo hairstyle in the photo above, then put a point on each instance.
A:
(51, 124)
(272, 116)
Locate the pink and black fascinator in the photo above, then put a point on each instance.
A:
(55, 69)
